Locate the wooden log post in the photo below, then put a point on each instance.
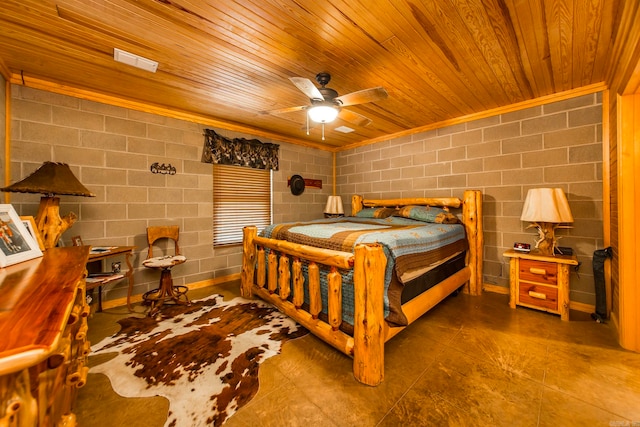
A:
(20, 408)
(76, 374)
(472, 213)
(84, 372)
(334, 280)
(514, 268)
(81, 334)
(261, 272)
(75, 315)
(284, 279)
(315, 297)
(86, 309)
(368, 276)
(563, 291)
(272, 282)
(298, 284)
(85, 349)
(356, 204)
(61, 355)
(248, 260)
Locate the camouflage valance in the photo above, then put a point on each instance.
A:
(250, 153)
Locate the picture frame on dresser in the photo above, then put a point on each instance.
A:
(30, 224)
(16, 243)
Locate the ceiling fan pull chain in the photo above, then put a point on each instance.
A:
(307, 116)
(323, 131)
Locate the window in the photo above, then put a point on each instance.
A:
(241, 197)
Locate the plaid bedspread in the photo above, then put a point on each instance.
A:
(411, 247)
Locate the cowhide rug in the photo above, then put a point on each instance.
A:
(204, 358)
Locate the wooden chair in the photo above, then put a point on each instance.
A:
(166, 291)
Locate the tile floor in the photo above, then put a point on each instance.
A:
(470, 361)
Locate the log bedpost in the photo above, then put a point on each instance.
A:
(272, 277)
(368, 277)
(315, 297)
(261, 278)
(284, 280)
(334, 298)
(472, 214)
(356, 204)
(248, 260)
(298, 283)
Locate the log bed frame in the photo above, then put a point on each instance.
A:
(371, 331)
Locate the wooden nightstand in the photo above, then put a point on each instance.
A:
(540, 281)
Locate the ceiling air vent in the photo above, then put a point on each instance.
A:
(344, 129)
(134, 60)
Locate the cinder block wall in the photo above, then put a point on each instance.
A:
(554, 145)
(110, 149)
(309, 163)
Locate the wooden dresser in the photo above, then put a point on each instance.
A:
(43, 345)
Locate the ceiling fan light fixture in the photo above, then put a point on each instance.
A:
(323, 113)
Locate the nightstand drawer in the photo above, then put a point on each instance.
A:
(539, 271)
(538, 295)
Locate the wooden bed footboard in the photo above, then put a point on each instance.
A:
(370, 330)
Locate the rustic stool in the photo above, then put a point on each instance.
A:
(166, 291)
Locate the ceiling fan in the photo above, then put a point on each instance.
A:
(326, 105)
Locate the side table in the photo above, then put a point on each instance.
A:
(102, 277)
(540, 281)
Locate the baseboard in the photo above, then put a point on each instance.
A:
(119, 302)
(495, 288)
(486, 287)
(579, 306)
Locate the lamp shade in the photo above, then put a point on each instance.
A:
(323, 113)
(546, 205)
(334, 206)
(50, 179)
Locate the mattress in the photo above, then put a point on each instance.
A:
(415, 252)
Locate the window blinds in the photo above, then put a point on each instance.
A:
(241, 197)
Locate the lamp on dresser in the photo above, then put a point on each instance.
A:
(51, 179)
(547, 209)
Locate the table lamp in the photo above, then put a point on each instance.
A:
(334, 208)
(51, 179)
(546, 209)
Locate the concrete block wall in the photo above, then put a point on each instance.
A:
(553, 145)
(110, 149)
(309, 163)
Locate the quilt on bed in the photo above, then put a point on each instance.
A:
(411, 247)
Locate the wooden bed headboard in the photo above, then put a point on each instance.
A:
(358, 202)
(471, 218)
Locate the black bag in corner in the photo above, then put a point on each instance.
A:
(599, 256)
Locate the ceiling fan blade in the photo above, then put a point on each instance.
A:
(360, 97)
(353, 117)
(283, 110)
(307, 87)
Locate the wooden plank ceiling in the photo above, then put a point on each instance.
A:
(229, 60)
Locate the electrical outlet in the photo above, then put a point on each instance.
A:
(115, 267)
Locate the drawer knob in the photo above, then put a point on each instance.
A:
(538, 271)
(537, 295)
